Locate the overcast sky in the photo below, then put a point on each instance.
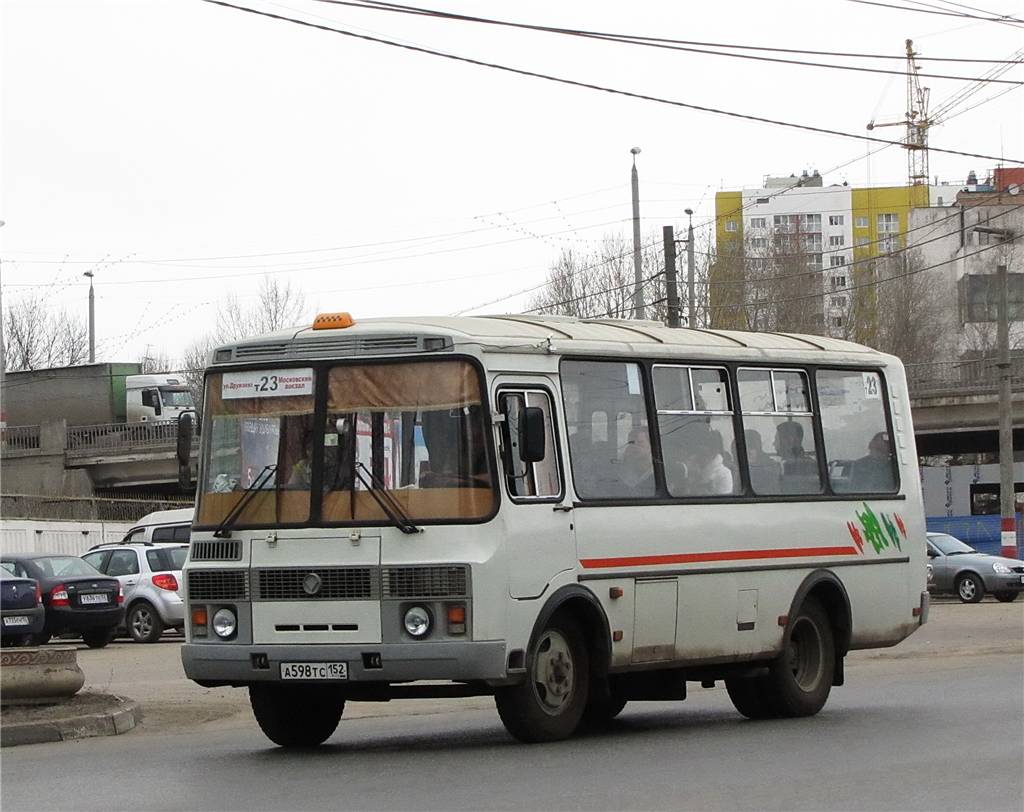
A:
(162, 143)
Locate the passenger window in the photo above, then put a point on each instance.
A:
(528, 480)
(123, 562)
(609, 438)
(857, 443)
(696, 426)
(183, 533)
(97, 559)
(163, 533)
(778, 431)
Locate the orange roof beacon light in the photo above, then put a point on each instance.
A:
(333, 321)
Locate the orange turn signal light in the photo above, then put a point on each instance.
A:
(333, 321)
(199, 616)
(456, 614)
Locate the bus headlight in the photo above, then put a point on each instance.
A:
(417, 621)
(224, 623)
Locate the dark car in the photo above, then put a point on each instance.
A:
(78, 598)
(22, 614)
(956, 567)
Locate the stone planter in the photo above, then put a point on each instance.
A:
(39, 676)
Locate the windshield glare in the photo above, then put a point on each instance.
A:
(948, 545)
(416, 429)
(176, 397)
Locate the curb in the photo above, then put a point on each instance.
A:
(122, 717)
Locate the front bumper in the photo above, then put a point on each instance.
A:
(1004, 583)
(241, 664)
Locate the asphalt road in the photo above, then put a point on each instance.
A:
(935, 723)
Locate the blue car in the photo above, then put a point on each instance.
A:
(22, 614)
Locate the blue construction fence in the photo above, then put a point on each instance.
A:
(981, 532)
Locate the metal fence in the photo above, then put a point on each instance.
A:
(19, 438)
(84, 508)
(977, 375)
(106, 436)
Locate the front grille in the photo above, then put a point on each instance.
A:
(426, 582)
(219, 550)
(1017, 569)
(336, 583)
(218, 585)
(251, 351)
(353, 345)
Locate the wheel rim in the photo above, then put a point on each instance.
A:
(554, 673)
(804, 654)
(967, 589)
(142, 623)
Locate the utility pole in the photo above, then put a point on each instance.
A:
(3, 350)
(92, 320)
(1007, 497)
(638, 292)
(691, 292)
(671, 286)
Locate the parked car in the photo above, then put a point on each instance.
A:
(148, 564)
(958, 568)
(22, 613)
(77, 597)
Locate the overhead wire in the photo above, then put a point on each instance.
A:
(991, 19)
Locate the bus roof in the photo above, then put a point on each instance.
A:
(520, 333)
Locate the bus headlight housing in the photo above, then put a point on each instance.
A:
(224, 623)
(417, 621)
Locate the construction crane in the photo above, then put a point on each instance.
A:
(916, 121)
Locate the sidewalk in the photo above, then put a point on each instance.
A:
(164, 701)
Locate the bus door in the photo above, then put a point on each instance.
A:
(538, 530)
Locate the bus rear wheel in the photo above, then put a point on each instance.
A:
(549, 704)
(799, 681)
(296, 716)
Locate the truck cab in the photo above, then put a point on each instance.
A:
(151, 398)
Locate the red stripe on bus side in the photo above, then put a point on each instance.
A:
(727, 555)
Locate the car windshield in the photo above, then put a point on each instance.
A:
(949, 545)
(59, 566)
(166, 559)
(176, 396)
(413, 430)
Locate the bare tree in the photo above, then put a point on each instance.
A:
(911, 309)
(153, 361)
(37, 337)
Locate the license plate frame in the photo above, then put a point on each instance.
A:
(93, 598)
(17, 620)
(314, 672)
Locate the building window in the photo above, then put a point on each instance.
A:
(838, 282)
(863, 240)
(762, 200)
(758, 243)
(888, 224)
(814, 262)
(786, 223)
(810, 222)
(812, 242)
(861, 222)
(837, 321)
(758, 222)
(838, 301)
(836, 261)
(835, 219)
(836, 241)
(730, 225)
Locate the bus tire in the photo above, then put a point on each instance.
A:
(296, 715)
(800, 679)
(599, 712)
(752, 697)
(549, 704)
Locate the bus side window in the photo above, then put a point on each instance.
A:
(528, 480)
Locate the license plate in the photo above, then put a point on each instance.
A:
(1022, 579)
(16, 620)
(306, 671)
(96, 597)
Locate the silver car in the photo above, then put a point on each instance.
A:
(956, 567)
(150, 573)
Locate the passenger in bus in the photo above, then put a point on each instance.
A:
(765, 473)
(708, 474)
(637, 467)
(873, 473)
(799, 469)
(301, 473)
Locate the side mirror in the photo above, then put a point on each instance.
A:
(932, 553)
(531, 434)
(184, 450)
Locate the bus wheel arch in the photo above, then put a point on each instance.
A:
(825, 587)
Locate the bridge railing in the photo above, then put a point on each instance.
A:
(19, 438)
(974, 375)
(108, 436)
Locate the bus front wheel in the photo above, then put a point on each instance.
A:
(296, 716)
(549, 704)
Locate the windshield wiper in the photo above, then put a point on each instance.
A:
(387, 502)
(223, 530)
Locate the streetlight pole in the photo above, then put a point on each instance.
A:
(691, 292)
(92, 320)
(638, 293)
(3, 350)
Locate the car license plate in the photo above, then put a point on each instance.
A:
(16, 620)
(95, 597)
(1022, 579)
(314, 671)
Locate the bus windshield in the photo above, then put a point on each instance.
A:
(414, 430)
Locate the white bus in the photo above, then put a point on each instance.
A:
(566, 514)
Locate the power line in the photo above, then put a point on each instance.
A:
(625, 39)
(602, 88)
(989, 19)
